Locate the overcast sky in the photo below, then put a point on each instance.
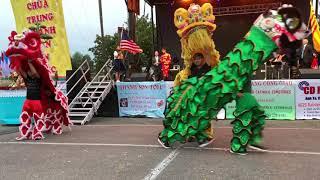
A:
(81, 18)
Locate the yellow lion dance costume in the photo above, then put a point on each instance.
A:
(195, 27)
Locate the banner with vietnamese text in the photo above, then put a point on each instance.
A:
(142, 98)
(277, 97)
(50, 14)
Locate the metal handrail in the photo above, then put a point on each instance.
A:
(97, 76)
(83, 76)
(89, 96)
(81, 67)
(85, 62)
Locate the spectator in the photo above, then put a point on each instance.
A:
(306, 54)
(314, 64)
(156, 59)
(118, 63)
(165, 61)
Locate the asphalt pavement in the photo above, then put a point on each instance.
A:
(127, 148)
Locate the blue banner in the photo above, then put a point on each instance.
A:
(142, 98)
(11, 103)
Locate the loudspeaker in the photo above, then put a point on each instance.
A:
(309, 73)
(138, 77)
(72, 82)
(109, 107)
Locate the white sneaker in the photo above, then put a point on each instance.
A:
(165, 145)
(257, 148)
(118, 81)
(239, 153)
(206, 143)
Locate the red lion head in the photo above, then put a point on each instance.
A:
(23, 47)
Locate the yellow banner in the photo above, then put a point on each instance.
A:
(50, 14)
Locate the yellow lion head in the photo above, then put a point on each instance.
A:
(195, 27)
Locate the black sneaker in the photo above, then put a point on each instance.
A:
(239, 153)
(165, 145)
(206, 142)
(257, 148)
(191, 139)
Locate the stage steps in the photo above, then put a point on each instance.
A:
(88, 100)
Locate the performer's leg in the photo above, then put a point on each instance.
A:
(38, 116)
(48, 120)
(248, 124)
(38, 126)
(170, 135)
(209, 136)
(25, 128)
(210, 131)
(257, 128)
(57, 123)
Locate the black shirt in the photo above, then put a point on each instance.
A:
(33, 88)
(198, 72)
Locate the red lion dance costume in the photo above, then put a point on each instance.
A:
(50, 110)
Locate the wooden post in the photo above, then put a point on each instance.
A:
(153, 38)
(317, 7)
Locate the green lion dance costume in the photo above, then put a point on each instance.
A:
(197, 101)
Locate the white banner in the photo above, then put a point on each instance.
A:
(275, 96)
(142, 99)
(308, 99)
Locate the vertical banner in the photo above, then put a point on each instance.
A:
(277, 98)
(308, 99)
(142, 99)
(50, 14)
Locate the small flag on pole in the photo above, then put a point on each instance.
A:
(128, 45)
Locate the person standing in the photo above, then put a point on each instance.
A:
(198, 69)
(156, 59)
(306, 54)
(118, 63)
(32, 107)
(165, 61)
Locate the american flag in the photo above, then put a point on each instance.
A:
(128, 45)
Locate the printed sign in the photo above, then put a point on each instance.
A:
(277, 97)
(308, 99)
(142, 99)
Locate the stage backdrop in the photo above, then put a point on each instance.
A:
(48, 13)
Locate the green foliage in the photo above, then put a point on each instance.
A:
(144, 39)
(105, 46)
(78, 58)
(103, 49)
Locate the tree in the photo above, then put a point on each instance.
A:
(144, 39)
(105, 46)
(103, 49)
(78, 58)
